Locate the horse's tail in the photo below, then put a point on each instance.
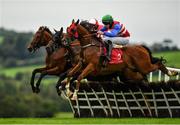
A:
(154, 59)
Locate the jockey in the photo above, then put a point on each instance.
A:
(113, 33)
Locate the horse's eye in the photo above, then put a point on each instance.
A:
(55, 38)
(37, 37)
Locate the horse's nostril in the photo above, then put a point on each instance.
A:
(49, 49)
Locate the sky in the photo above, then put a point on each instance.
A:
(147, 20)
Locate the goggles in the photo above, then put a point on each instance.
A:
(106, 23)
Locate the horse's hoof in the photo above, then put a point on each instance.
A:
(37, 90)
(175, 73)
(74, 98)
(34, 89)
(172, 73)
(59, 92)
(62, 87)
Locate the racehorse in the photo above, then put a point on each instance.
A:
(135, 57)
(55, 61)
(127, 75)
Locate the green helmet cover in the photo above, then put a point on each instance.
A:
(107, 18)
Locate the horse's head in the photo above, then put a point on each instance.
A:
(72, 29)
(56, 42)
(40, 38)
(58, 36)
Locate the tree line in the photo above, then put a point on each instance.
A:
(13, 48)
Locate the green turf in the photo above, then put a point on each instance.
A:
(1, 39)
(89, 121)
(11, 72)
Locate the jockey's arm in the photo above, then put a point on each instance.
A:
(103, 29)
(113, 32)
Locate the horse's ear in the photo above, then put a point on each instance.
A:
(97, 23)
(41, 27)
(67, 29)
(77, 22)
(61, 30)
(73, 21)
(55, 30)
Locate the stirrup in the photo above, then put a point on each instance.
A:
(108, 58)
(118, 46)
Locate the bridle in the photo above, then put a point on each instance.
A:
(41, 38)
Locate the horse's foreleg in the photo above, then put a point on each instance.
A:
(70, 74)
(52, 71)
(38, 70)
(89, 68)
(59, 85)
(166, 71)
(75, 69)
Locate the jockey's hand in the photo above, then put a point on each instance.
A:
(100, 33)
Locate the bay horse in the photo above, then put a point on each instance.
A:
(55, 62)
(135, 57)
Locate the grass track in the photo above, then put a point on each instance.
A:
(89, 120)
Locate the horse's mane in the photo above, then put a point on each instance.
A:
(86, 25)
(90, 27)
(83, 23)
(82, 30)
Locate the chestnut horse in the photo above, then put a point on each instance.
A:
(126, 75)
(135, 57)
(56, 63)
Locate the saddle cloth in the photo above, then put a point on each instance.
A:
(116, 56)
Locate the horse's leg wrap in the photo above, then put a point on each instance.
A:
(75, 95)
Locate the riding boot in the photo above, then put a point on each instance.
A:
(109, 49)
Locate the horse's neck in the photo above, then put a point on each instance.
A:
(47, 38)
(49, 46)
(90, 42)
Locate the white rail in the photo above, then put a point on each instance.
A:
(159, 76)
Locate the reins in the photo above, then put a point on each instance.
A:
(89, 35)
(75, 44)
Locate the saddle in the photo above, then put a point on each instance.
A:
(115, 57)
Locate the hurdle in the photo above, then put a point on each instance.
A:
(110, 99)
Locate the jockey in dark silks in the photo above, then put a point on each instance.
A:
(113, 33)
(96, 23)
